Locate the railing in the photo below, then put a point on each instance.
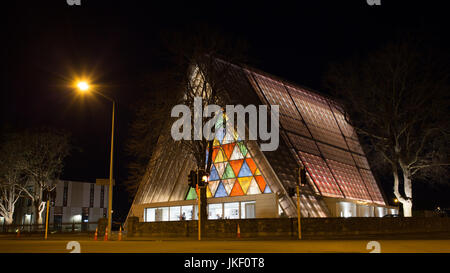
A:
(52, 228)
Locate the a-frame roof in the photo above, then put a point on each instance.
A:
(313, 132)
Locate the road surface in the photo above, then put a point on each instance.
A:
(23, 245)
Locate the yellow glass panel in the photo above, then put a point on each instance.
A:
(245, 183)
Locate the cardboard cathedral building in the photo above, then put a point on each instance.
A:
(246, 182)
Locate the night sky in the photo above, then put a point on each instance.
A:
(47, 43)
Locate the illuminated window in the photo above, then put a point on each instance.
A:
(231, 210)
(248, 210)
(175, 213)
(187, 213)
(215, 211)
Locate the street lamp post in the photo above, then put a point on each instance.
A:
(84, 87)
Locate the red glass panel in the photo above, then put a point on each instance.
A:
(237, 190)
(236, 165)
(228, 149)
(251, 164)
(261, 182)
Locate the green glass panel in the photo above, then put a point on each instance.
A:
(228, 173)
(192, 194)
(243, 148)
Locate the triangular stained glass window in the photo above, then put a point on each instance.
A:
(234, 172)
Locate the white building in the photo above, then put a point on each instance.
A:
(76, 205)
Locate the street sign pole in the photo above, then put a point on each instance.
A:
(46, 220)
(298, 214)
(298, 202)
(199, 209)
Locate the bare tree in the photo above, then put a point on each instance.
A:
(194, 73)
(42, 159)
(398, 99)
(12, 180)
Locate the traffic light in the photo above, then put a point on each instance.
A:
(202, 178)
(192, 179)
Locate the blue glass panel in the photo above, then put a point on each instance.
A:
(267, 189)
(214, 175)
(220, 133)
(245, 170)
(221, 192)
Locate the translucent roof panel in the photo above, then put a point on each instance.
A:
(276, 94)
(321, 175)
(350, 181)
(372, 186)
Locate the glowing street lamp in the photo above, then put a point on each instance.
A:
(83, 86)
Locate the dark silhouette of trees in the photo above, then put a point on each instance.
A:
(397, 98)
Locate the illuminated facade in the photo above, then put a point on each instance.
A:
(247, 183)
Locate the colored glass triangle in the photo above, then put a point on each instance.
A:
(261, 182)
(228, 185)
(251, 164)
(220, 192)
(228, 149)
(257, 172)
(253, 188)
(219, 122)
(228, 173)
(212, 185)
(245, 183)
(208, 193)
(245, 170)
(236, 153)
(220, 134)
(237, 190)
(191, 195)
(228, 138)
(220, 156)
(220, 167)
(267, 190)
(214, 175)
(236, 165)
(216, 142)
(215, 152)
(243, 148)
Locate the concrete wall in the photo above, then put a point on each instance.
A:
(287, 227)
